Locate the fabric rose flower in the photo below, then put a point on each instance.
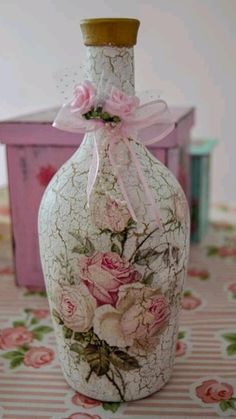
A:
(13, 337)
(84, 401)
(181, 348)
(140, 314)
(83, 416)
(190, 302)
(40, 313)
(111, 214)
(38, 356)
(84, 97)
(120, 104)
(198, 273)
(104, 273)
(226, 251)
(212, 391)
(76, 306)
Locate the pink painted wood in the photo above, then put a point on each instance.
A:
(35, 151)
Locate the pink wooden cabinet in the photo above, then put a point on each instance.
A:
(35, 150)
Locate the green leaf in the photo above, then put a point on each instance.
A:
(89, 246)
(131, 223)
(231, 403)
(112, 406)
(79, 337)
(230, 337)
(34, 321)
(43, 329)
(106, 231)
(56, 316)
(187, 293)
(98, 359)
(39, 331)
(16, 362)
(77, 236)
(42, 293)
(123, 360)
(75, 347)
(212, 250)
(115, 249)
(18, 323)
(181, 335)
(79, 249)
(231, 349)
(84, 337)
(13, 354)
(105, 116)
(223, 405)
(119, 236)
(38, 336)
(146, 256)
(86, 248)
(27, 310)
(35, 292)
(147, 280)
(67, 332)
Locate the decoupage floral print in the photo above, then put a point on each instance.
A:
(18, 343)
(216, 392)
(111, 316)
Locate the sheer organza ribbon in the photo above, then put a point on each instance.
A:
(154, 112)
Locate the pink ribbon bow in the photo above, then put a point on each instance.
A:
(128, 120)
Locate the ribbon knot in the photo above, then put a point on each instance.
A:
(120, 118)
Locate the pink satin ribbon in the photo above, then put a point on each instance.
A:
(155, 112)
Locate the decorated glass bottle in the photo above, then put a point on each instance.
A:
(114, 281)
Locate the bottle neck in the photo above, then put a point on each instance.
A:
(111, 65)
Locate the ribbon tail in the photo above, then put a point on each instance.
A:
(155, 210)
(120, 182)
(94, 167)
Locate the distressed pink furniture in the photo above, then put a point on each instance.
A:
(35, 150)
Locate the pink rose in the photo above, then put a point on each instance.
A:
(211, 391)
(40, 313)
(6, 271)
(140, 314)
(111, 214)
(120, 104)
(13, 337)
(104, 273)
(226, 251)
(180, 348)
(75, 306)
(190, 302)
(232, 288)
(84, 97)
(84, 401)
(198, 273)
(83, 416)
(38, 356)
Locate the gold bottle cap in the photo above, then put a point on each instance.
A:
(120, 32)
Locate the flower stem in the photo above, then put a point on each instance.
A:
(89, 375)
(142, 242)
(116, 386)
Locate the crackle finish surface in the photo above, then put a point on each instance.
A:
(114, 286)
